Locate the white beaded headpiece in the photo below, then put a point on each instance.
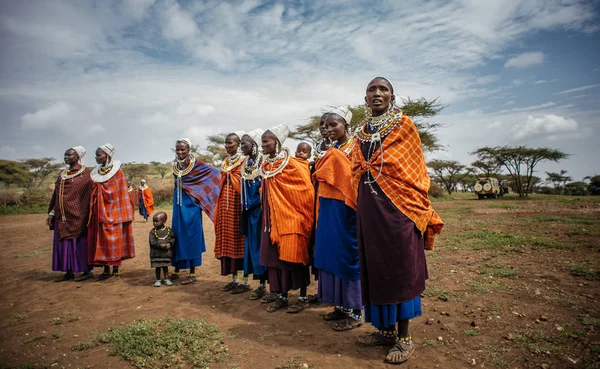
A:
(108, 149)
(281, 131)
(343, 112)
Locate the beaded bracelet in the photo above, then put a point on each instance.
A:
(405, 339)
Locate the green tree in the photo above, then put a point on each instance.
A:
(160, 168)
(420, 111)
(447, 173)
(576, 189)
(594, 185)
(13, 173)
(40, 169)
(487, 167)
(520, 162)
(558, 180)
(467, 180)
(135, 171)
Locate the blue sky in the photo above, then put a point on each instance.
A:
(142, 73)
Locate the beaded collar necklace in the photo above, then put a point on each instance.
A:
(184, 171)
(64, 175)
(380, 126)
(284, 154)
(102, 174)
(231, 162)
(346, 147)
(166, 235)
(319, 153)
(252, 171)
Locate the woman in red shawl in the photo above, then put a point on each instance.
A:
(68, 215)
(229, 242)
(110, 232)
(395, 220)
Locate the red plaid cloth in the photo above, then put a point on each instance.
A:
(229, 241)
(404, 178)
(110, 233)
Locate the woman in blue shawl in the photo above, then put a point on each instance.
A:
(196, 190)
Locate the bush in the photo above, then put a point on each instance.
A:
(163, 194)
(35, 197)
(435, 190)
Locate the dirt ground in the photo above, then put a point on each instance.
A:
(513, 284)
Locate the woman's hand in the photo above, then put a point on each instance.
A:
(50, 220)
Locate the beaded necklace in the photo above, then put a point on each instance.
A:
(346, 147)
(64, 175)
(319, 153)
(231, 162)
(380, 127)
(102, 174)
(284, 154)
(166, 235)
(179, 173)
(250, 173)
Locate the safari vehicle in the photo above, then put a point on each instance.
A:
(488, 187)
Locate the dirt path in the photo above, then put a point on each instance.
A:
(461, 326)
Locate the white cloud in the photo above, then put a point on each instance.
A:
(550, 124)
(582, 88)
(511, 102)
(541, 81)
(45, 118)
(179, 24)
(525, 60)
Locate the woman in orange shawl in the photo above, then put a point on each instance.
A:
(395, 220)
(110, 232)
(229, 242)
(288, 204)
(145, 200)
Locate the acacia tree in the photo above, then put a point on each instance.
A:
(594, 185)
(13, 173)
(135, 171)
(520, 162)
(39, 169)
(419, 110)
(160, 168)
(447, 172)
(558, 180)
(488, 167)
(467, 180)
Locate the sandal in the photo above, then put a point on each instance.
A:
(347, 324)
(229, 286)
(266, 299)
(190, 280)
(336, 314)
(400, 353)
(258, 293)
(67, 277)
(174, 276)
(297, 307)
(375, 339)
(84, 277)
(241, 288)
(104, 276)
(314, 299)
(278, 304)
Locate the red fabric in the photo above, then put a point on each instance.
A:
(229, 241)
(333, 172)
(110, 232)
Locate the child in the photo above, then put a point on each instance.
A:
(161, 240)
(303, 151)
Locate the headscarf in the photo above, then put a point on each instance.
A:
(80, 150)
(186, 141)
(239, 134)
(281, 131)
(256, 136)
(343, 112)
(109, 150)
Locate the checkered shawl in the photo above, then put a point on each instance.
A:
(228, 237)
(333, 172)
(291, 198)
(76, 202)
(404, 179)
(112, 198)
(202, 184)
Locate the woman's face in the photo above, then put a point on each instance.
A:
(269, 142)
(246, 145)
(71, 157)
(336, 127)
(379, 95)
(323, 127)
(182, 150)
(101, 157)
(232, 142)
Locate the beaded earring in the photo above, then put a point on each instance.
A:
(254, 151)
(277, 147)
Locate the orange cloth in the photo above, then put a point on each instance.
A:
(148, 199)
(404, 178)
(229, 241)
(291, 197)
(333, 172)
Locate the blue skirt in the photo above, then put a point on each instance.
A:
(386, 316)
(189, 233)
(143, 211)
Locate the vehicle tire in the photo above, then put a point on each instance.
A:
(487, 187)
(480, 196)
(478, 187)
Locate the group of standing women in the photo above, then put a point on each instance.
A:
(360, 216)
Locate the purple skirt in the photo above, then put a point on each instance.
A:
(230, 266)
(69, 254)
(339, 292)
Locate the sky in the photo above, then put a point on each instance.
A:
(142, 73)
